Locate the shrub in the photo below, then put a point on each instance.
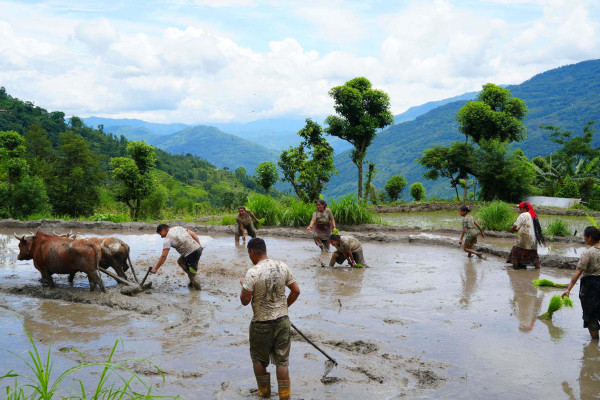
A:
(558, 227)
(297, 213)
(394, 186)
(349, 211)
(568, 189)
(228, 220)
(498, 216)
(417, 191)
(265, 207)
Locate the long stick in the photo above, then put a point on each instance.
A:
(115, 276)
(311, 342)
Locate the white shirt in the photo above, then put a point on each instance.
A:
(179, 238)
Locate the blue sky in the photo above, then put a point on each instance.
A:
(202, 61)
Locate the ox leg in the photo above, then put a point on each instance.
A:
(94, 279)
(71, 277)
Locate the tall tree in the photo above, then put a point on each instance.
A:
(361, 111)
(455, 162)
(494, 115)
(74, 188)
(12, 164)
(309, 166)
(266, 175)
(133, 176)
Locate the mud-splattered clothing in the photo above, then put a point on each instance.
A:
(349, 243)
(267, 281)
(179, 238)
(246, 222)
(589, 262)
(526, 234)
(471, 231)
(323, 219)
(246, 219)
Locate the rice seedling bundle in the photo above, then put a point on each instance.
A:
(549, 283)
(358, 266)
(556, 303)
(260, 223)
(336, 231)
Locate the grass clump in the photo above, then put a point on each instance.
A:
(349, 211)
(115, 380)
(228, 220)
(117, 218)
(558, 227)
(556, 303)
(296, 213)
(498, 216)
(548, 283)
(265, 207)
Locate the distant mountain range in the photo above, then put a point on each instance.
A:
(568, 97)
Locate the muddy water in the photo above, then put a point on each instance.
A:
(422, 322)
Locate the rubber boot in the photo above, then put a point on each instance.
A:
(284, 389)
(264, 385)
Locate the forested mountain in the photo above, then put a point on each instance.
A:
(61, 154)
(567, 97)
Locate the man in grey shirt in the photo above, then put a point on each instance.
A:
(264, 286)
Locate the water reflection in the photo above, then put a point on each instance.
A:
(470, 278)
(589, 376)
(339, 281)
(526, 301)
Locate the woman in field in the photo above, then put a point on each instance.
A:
(324, 224)
(469, 224)
(525, 253)
(588, 269)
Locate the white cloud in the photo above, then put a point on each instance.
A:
(98, 35)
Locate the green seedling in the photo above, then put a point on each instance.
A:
(336, 231)
(260, 223)
(556, 303)
(358, 266)
(548, 283)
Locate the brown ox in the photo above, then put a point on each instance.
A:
(115, 253)
(58, 255)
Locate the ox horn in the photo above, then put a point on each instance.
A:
(70, 234)
(19, 238)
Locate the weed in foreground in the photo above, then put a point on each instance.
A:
(116, 380)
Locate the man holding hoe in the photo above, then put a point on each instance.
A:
(264, 286)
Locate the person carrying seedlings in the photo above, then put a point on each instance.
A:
(187, 244)
(469, 224)
(588, 269)
(529, 236)
(270, 339)
(324, 224)
(244, 221)
(348, 248)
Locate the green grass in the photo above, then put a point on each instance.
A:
(110, 217)
(497, 216)
(296, 213)
(349, 211)
(115, 381)
(228, 220)
(558, 227)
(266, 207)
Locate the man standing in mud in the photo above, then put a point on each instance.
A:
(264, 286)
(187, 244)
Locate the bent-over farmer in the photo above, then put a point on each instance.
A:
(348, 248)
(264, 286)
(187, 244)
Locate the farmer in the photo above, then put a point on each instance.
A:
(469, 224)
(244, 221)
(529, 236)
(588, 269)
(187, 245)
(264, 286)
(348, 248)
(324, 224)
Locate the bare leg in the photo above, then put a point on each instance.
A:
(333, 259)
(283, 373)
(594, 334)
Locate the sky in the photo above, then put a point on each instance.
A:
(203, 61)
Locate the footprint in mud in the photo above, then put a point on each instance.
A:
(427, 378)
(358, 346)
(368, 374)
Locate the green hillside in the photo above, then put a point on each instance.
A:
(567, 97)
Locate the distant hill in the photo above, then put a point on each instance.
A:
(115, 125)
(219, 148)
(567, 97)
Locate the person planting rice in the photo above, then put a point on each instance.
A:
(270, 339)
(348, 248)
(469, 224)
(187, 244)
(588, 269)
(529, 236)
(244, 222)
(324, 224)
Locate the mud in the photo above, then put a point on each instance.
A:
(423, 322)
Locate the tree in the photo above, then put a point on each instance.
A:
(361, 111)
(266, 175)
(494, 115)
(76, 177)
(133, 176)
(455, 163)
(417, 191)
(13, 166)
(309, 166)
(394, 186)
